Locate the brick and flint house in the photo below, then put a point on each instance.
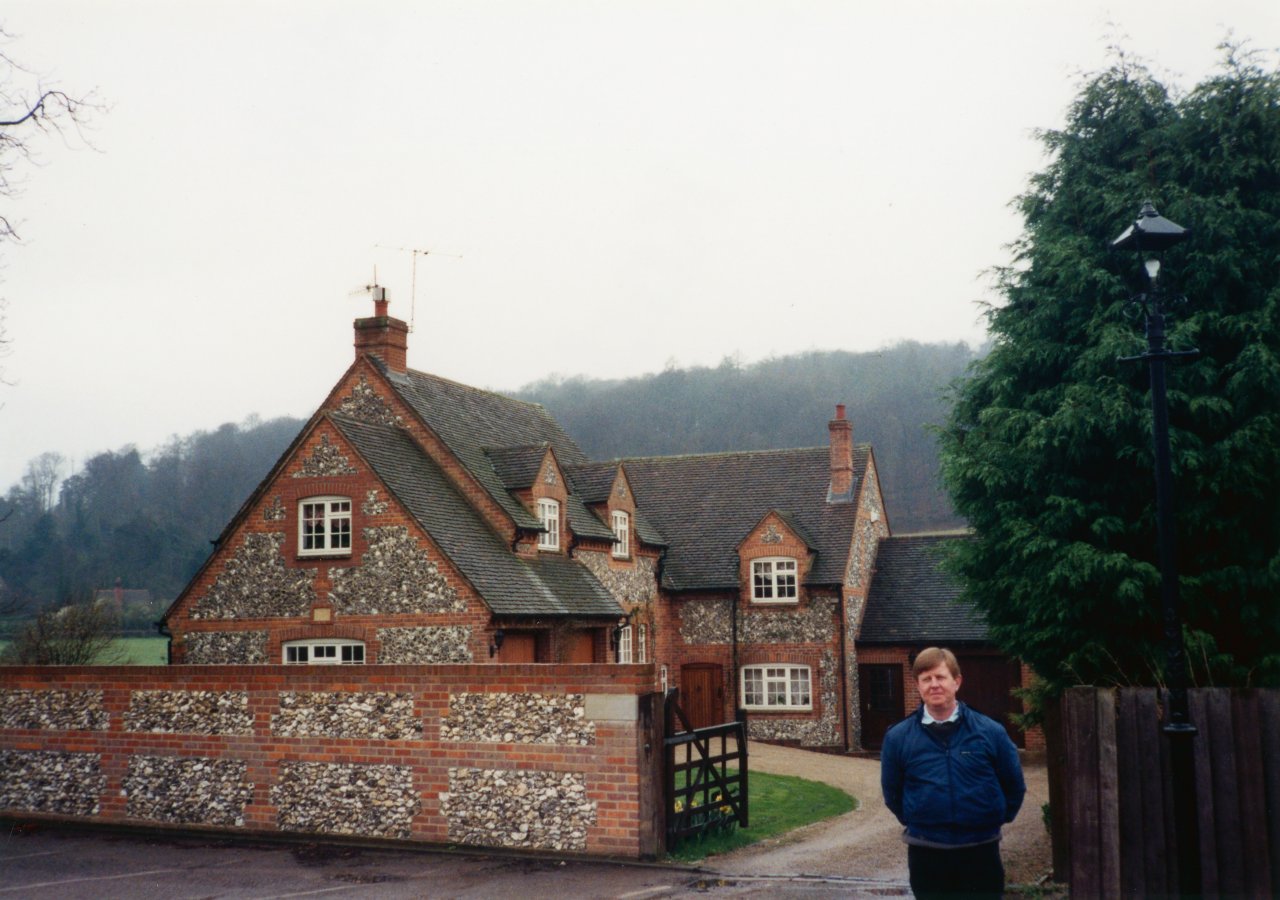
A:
(417, 520)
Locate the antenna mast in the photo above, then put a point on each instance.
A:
(414, 253)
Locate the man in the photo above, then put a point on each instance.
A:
(952, 777)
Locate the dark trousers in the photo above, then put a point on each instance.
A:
(973, 872)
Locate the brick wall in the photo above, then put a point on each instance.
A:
(533, 757)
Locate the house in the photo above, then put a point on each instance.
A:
(417, 520)
(913, 604)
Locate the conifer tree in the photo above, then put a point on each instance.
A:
(1048, 451)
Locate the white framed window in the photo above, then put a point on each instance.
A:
(776, 687)
(642, 641)
(323, 652)
(324, 526)
(624, 645)
(549, 514)
(773, 580)
(622, 535)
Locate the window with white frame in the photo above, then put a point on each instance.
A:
(324, 526)
(624, 644)
(776, 687)
(549, 515)
(642, 640)
(773, 580)
(621, 534)
(323, 652)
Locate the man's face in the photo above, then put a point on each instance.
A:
(938, 690)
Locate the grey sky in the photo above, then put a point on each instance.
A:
(626, 183)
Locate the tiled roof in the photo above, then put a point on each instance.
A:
(705, 505)
(913, 600)
(470, 420)
(510, 585)
(584, 522)
(517, 467)
(593, 481)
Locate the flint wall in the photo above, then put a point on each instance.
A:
(554, 758)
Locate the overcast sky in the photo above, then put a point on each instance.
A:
(605, 188)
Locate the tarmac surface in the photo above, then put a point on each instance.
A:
(859, 854)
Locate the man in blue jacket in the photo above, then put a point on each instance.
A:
(952, 777)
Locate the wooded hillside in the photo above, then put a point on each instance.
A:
(148, 517)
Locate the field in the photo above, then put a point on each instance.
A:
(132, 651)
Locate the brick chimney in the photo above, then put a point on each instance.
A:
(841, 430)
(383, 336)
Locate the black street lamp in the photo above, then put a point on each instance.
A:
(1150, 236)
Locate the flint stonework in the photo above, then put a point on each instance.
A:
(366, 405)
(326, 461)
(51, 782)
(209, 648)
(424, 646)
(334, 798)
(628, 586)
(507, 718)
(530, 810)
(189, 712)
(395, 576)
(707, 621)
(372, 716)
(185, 790)
(60, 710)
(871, 528)
(255, 584)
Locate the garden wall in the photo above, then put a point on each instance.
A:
(532, 757)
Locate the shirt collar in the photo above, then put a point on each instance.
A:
(927, 719)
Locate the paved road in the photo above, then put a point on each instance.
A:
(858, 854)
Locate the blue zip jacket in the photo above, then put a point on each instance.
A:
(954, 791)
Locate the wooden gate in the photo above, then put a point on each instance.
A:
(701, 794)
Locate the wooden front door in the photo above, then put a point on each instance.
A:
(580, 647)
(987, 684)
(702, 693)
(519, 648)
(880, 688)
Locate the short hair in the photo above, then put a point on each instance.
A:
(932, 657)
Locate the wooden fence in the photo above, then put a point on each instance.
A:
(1111, 792)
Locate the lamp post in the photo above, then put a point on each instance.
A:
(1150, 236)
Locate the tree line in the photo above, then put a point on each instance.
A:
(147, 518)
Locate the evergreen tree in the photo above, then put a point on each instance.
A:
(1048, 448)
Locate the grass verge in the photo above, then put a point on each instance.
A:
(777, 804)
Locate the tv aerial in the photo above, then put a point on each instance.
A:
(414, 253)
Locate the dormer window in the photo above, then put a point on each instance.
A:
(621, 535)
(549, 515)
(773, 580)
(324, 526)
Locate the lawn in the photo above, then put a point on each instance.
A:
(777, 803)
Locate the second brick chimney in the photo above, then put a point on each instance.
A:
(841, 430)
(383, 336)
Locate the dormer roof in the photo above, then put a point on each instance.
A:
(550, 585)
(475, 424)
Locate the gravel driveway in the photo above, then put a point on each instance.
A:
(867, 843)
